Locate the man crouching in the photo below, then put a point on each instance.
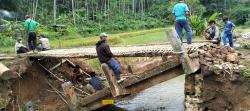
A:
(212, 32)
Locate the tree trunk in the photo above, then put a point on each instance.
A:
(54, 12)
(133, 6)
(73, 11)
(36, 9)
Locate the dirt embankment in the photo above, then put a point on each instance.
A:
(220, 85)
(32, 85)
(31, 82)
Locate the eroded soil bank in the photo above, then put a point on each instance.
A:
(221, 84)
(33, 82)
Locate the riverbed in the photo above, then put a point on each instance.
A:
(167, 96)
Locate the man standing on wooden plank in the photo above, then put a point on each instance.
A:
(30, 27)
(180, 11)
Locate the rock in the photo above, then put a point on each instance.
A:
(232, 57)
(232, 50)
(209, 59)
(207, 54)
(193, 55)
(216, 62)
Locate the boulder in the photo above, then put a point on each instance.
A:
(232, 57)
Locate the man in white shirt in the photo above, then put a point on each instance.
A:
(20, 48)
(213, 32)
(44, 43)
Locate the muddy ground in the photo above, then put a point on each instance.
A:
(33, 82)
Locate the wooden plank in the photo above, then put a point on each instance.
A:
(116, 89)
(96, 96)
(59, 64)
(149, 74)
(187, 64)
(90, 52)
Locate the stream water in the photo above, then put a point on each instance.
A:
(167, 96)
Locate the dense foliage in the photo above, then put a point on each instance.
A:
(90, 17)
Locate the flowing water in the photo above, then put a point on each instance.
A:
(167, 96)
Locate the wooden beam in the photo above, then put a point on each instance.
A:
(96, 96)
(150, 74)
(116, 89)
(59, 64)
(177, 46)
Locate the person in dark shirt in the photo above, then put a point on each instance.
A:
(77, 77)
(95, 82)
(105, 55)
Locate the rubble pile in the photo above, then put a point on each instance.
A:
(219, 83)
(244, 40)
(246, 35)
(211, 54)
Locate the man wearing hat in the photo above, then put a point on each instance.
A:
(19, 47)
(105, 55)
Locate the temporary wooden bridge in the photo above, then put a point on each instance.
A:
(118, 51)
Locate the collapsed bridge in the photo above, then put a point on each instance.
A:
(174, 60)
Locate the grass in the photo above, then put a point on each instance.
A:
(128, 38)
(7, 50)
(138, 37)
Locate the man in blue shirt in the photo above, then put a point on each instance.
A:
(180, 11)
(228, 31)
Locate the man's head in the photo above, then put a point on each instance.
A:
(19, 40)
(103, 36)
(26, 17)
(225, 18)
(42, 36)
(92, 74)
(212, 23)
(77, 66)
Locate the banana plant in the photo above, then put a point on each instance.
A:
(197, 24)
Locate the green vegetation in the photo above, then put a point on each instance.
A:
(81, 21)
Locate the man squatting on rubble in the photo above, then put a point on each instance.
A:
(212, 32)
(105, 55)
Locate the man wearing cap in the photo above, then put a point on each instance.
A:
(19, 47)
(105, 55)
(180, 11)
(30, 26)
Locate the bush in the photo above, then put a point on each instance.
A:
(6, 41)
(197, 24)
